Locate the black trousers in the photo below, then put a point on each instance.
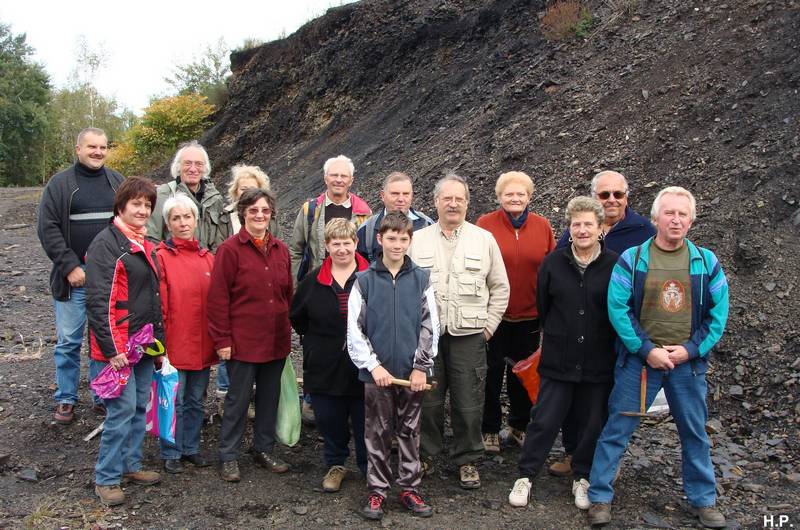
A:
(570, 432)
(555, 399)
(517, 341)
(267, 377)
(334, 416)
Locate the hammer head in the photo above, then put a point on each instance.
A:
(636, 414)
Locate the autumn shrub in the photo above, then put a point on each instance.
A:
(565, 18)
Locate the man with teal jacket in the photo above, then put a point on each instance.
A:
(668, 301)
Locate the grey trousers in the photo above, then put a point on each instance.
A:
(391, 411)
(460, 367)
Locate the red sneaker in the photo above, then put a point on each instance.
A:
(374, 508)
(415, 504)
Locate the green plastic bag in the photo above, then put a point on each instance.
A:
(287, 426)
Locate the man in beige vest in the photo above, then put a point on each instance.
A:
(469, 278)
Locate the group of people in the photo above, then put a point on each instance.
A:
(395, 311)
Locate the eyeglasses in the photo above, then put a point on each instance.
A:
(604, 195)
(457, 200)
(198, 164)
(256, 211)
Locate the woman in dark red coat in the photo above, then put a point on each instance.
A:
(248, 313)
(185, 280)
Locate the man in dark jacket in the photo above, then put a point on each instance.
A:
(622, 228)
(76, 205)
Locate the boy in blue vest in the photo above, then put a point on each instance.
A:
(392, 307)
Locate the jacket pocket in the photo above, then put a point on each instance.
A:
(425, 262)
(469, 285)
(480, 380)
(472, 318)
(473, 262)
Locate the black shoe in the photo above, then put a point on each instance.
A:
(197, 460)
(173, 466)
(415, 504)
(374, 508)
(270, 462)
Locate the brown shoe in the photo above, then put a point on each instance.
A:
(230, 471)
(470, 479)
(709, 516)
(110, 495)
(562, 468)
(599, 514)
(491, 442)
(145, 478)
(333, 479)
(65, 414)
(270, 462)
(516, 436)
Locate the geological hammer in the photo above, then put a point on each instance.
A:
(642, 413)
(407, 383)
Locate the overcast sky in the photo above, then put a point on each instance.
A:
(144, 40)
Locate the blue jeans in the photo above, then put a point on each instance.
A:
(685, 388)
(223, 381)
(188, 414)
(123, 434)
(70, 325)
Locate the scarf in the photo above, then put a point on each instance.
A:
(518, 222)
(131, 232)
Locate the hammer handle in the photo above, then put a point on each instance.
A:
(407, 383)
(643, 391)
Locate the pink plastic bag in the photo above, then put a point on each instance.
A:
(109, 383)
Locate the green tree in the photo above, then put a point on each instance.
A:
(24, 100)
(206, 75)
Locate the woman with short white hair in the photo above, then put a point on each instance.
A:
(185, 279)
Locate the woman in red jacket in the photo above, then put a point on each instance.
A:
(185, 280)
(524, 239)
(248, 318)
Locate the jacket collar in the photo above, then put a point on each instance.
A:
(378, 266)
(325, 275)
(360, 206)
(176, 245)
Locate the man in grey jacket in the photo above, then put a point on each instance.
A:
(76, 205)
(191, 169)
(472, 290)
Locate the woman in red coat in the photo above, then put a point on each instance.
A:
(248, 313)
(185, 280)
(524, 239)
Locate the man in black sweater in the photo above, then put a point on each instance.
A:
(76, 205)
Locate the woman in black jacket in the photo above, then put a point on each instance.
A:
(319, 316)
(577, 363)
(122, 296)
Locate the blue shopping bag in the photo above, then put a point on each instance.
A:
(161, 414)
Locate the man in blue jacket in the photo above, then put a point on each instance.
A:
(622, 229)
(668, 302)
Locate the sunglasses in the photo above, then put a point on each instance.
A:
(604, 195)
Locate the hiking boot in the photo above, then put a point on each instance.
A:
(470, 479)
(270, 462)
(173, 466)
(64, 414)
(709, 516)
(414, 503)
(580, 489)
(491, 442)
(145, 478)
(562, 468)
(99, 409)
(110, 495)
(374, 508)
(229, 471)
(599, 514)
(520, 493)
(307, 414)
(197, 460)
(516, 436)
(333, 479)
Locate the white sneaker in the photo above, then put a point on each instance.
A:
(520, 493)
(580, 488)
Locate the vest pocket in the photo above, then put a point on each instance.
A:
(469, 285)
(472, 318)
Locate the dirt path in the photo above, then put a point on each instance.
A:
(46, 471)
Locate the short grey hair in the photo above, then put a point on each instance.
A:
(175, 167)
(602, 174)
(179, 199)
(673, 190)
(89, 130)
(340, 158)
(584, 204)
(396, 176)
(450, 177)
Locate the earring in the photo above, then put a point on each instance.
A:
(570, 239)
(601, 237)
